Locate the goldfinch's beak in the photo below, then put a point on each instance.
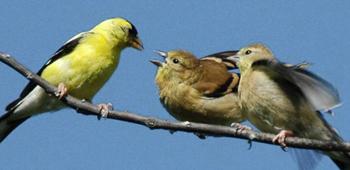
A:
(136, 43)
(157, 63)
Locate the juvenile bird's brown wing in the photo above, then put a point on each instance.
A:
(216, 81)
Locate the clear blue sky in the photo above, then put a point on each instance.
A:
(317, 32)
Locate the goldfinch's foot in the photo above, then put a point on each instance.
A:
(61, 91)
(104, 110)
(280, 138)
(240, 128)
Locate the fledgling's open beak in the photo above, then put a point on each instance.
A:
(231, 64)
(233, 59)
(136, 43)
(162, 54)
(156, 62)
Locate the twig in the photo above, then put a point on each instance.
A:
(87, 108)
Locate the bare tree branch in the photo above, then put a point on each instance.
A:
(87, 108)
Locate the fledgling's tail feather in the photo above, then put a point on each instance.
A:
(7, 125)
(341, 159)
(342, 165)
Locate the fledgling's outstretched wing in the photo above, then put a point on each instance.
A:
(322, 95)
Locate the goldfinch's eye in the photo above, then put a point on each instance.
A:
(175, 61)
(248, 52)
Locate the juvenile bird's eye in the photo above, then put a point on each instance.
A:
(248, 52)
(175, 61)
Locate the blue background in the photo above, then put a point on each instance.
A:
(313, 31)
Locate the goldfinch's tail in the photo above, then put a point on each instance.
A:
(7, 124)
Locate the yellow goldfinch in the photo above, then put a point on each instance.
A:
(80, 67)
(286, 100)
(198, 90)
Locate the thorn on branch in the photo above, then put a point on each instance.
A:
(200, 135)
(284, 148)
(250, 143)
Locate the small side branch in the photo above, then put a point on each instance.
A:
(87, 108)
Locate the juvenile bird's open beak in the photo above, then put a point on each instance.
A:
(222, 57)
(136, 43)
(156, 62)
(234, 58)
(161, 53)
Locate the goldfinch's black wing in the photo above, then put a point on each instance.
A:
(221, 57)
(322, 95)
(67, 48)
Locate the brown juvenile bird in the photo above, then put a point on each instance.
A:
(198, 90)
(286, 100)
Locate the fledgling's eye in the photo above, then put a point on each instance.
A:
(175, 61)
(248, 52)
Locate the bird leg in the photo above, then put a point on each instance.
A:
(61, 91)
(104, 109)
(280, 138)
